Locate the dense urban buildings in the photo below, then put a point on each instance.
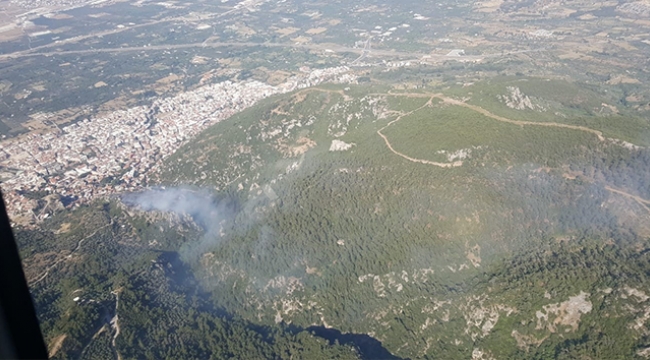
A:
(118, 151)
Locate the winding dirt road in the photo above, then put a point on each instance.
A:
(479, 109)
(421, 161)
(643, 202)
(47, 271)
(115, 322)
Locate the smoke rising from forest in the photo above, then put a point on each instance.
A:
(205, 210)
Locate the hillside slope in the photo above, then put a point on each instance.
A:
(438, 226)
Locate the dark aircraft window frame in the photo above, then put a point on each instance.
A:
(20, 334)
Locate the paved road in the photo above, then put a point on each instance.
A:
(317, 47)
(364, 52)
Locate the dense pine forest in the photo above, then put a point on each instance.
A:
(368, 222)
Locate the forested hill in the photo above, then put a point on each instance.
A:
(490, 220)
(440, 221)
(122, 294)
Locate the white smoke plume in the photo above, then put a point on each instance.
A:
(204, 208)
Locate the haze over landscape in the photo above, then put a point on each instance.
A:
(301, 179)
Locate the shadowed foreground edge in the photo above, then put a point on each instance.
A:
(20, 334)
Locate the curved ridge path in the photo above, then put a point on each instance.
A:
(421, 161)
(643, 202)
(478, 109)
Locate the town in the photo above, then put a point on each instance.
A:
(118, 152)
